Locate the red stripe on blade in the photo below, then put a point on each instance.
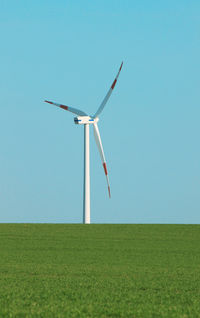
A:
(113, 84)
(105, 168)
(64, 107)
(109, 192)
(46, 101)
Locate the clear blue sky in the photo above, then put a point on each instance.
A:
(69, 52)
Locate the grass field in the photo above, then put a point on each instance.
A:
(66, 270)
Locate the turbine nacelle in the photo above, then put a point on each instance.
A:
(82, 120)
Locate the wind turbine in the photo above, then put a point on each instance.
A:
(84, 119)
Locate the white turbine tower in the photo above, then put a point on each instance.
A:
(84, 119)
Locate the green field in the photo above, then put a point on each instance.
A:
(68, 270)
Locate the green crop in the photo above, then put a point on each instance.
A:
(68, 270)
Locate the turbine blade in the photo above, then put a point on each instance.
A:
(70, 109)
(101, 107)
(100, 147)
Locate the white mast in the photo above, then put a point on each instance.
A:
(86, 181)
